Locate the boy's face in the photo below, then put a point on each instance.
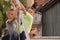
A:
(31, 11)
(12, 14)
(14, 1)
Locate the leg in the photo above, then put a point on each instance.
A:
(6, 37)
(22, 36)
(14, 36)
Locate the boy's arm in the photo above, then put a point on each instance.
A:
(23, 8)
(19, 6)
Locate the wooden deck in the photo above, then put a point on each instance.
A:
(46, 38)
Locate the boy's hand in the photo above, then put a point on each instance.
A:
(19, 6)
(10, 21)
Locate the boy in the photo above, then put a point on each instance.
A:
(11, 25)
(28, 19)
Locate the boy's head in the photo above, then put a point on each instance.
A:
(32, 11)
(11, 14)
(14, 1)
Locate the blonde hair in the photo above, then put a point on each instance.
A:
(7, 13)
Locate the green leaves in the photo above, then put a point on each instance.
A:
(1, 2)
(1, 19)
(4, 7)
